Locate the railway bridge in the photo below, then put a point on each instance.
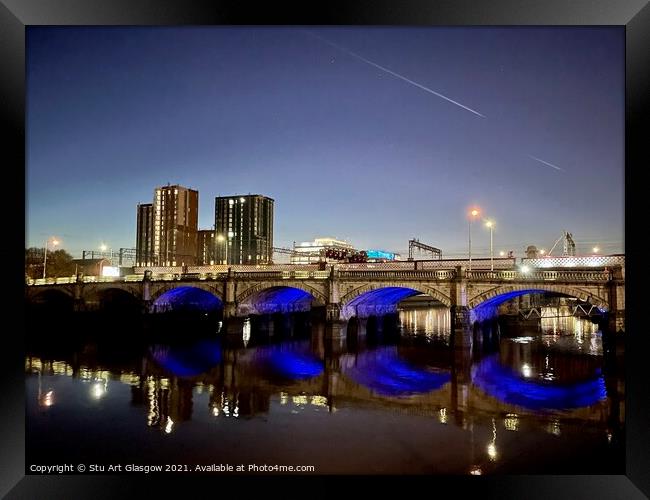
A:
(342, 292)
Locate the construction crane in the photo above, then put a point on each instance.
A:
(569, 246)
(415, 244)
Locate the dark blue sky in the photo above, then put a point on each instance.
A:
(345, 148)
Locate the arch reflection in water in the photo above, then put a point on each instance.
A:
(506, 385)
(383, 372)
(294, 365)
(187, 361)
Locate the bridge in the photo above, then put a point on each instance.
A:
(343, 291)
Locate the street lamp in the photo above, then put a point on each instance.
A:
(55, 242)
(473, 213)
(221, 238)
(103, 247)
(490, 224)
(596, 249)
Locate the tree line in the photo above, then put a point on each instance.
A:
(59, 263)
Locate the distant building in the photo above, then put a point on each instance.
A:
(91, 267)
(309, 252)
(206, 255)
(144, 236)
(175, 226)
(244, 229)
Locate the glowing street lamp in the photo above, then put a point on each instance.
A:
(596, 249)
(502, 253)
(490, 225)
(55, 242)
(223, 239)
(473, 213)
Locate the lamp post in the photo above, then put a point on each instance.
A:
(473, 213)
(55, 242)
(490, 224)
(103, 247)
(222, 238)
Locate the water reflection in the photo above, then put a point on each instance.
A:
(282, 377)
(384, 372)
(430, 323)
(187, 360)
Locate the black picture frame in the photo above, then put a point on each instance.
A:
(634, 15)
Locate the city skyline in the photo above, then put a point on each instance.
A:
(353, 131)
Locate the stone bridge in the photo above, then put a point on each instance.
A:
(341, 293)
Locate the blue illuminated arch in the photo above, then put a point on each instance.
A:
(277, 299)
(385, 373)
(377, 302)
(293, 365)
(187, 298)
(188, 361)
(506, 385)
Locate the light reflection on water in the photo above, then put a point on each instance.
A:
(299, 403)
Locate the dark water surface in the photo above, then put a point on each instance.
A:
(392, 399)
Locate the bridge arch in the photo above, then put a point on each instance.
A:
(181, 297)
(500, 294)
(53, 299)
(384, 297)
(278, 297)
(318, 295)
(113, 299)
(161, 288)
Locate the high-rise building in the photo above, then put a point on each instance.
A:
(175, 225)
(244, 229)
(206, 248)
(144, 235)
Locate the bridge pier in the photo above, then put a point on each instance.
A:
(461, 328)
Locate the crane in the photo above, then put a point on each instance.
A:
(569, 247)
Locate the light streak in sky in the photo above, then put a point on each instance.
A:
(545, 162)
(396, 75)
(426, 89)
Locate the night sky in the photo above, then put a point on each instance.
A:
(352, 131)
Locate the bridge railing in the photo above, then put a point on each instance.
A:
(538, 275)
(443, 274)
(283, 275)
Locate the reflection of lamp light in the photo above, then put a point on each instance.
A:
(46, 399)
(169, 426)
(511, 422)
(492, 446)
(476, 471)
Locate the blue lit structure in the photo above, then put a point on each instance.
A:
(500, 299)
(188, 361)
(279, 299)
(187, 298)
(507, 385)
(293, 365)
(378, 301)
(385, 373)
(380, 254)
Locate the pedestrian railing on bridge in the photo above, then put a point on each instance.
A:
(574, 275)
(537, 275)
